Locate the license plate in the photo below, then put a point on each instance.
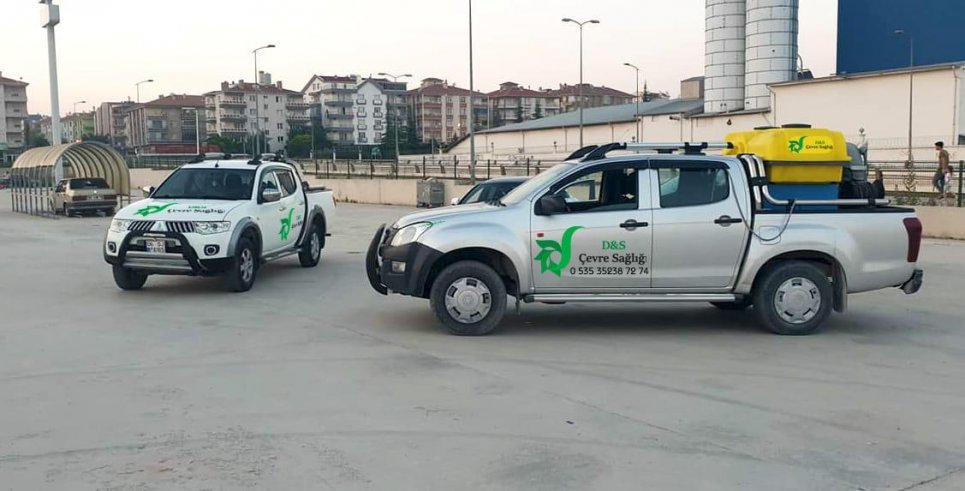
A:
(155, 246)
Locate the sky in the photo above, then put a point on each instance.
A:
(191, 46)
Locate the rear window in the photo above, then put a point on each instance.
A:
(89, 183)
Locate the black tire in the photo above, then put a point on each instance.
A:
(311, 250)
(742, 304)
(128, 279)
(476, 278)
(801, 315)
(244, 267)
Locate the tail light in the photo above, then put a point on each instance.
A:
(913, 227)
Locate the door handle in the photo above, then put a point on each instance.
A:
(726, 221)
(632, 224)
(282, 208)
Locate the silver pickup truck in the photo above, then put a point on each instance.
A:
(663, 227)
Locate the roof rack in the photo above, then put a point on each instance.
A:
(685, 148)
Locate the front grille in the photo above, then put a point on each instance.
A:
(180, 227)
(141, 225)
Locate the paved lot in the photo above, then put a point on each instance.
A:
(312, 381)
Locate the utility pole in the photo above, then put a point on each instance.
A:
(581, 24)
(51, 17)
(257, 146)
(395, 78)
(472, 110)
(911, 91)
(636, 115)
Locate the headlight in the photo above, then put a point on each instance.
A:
(208, 228)
(119, 225)
(410, 233)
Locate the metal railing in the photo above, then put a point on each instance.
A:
(913, 183)
(422, 168)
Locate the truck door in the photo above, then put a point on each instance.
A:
(698, 232)
(270, 214)
(602, 239)
(293, 216)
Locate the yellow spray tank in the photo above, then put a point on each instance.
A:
(795, 154)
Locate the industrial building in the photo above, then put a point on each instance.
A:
(752, 78)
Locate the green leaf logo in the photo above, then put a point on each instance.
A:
(286, 225)
(152, 209)
(548, 247)
(795, 146)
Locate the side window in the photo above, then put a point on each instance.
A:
(268, 181)
(287, 181)
(692, 186)
(602, 190)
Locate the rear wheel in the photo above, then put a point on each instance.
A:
(244, 268)
(793, 298)
(468, 298)
(128, 279)
(311, 250)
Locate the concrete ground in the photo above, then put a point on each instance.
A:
(313, 381)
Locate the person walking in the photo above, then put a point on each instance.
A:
(938, 181)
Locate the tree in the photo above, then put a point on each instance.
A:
(89, 137)
(538, 111)
(228, 144)
(645, 97)
(300, 146)
(300, 140)
(519, 112)
(38, 139)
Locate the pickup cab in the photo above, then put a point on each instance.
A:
(219, 217)
(648, 227)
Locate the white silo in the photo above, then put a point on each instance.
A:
(771, 48)
(724, 51)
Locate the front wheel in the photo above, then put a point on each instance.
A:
(793, 298)
(244, 268)
(468, 298)
(311, 250)
(128, 279)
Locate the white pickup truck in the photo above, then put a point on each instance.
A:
(219, 217)
(662, 227)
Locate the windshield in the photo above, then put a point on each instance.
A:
(488, 192)
(226, 184)
(89, 183)
(536, 182)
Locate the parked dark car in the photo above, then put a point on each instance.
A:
(490, 190)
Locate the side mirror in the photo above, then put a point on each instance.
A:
(148, 191)
(551, 204)
(270, 195)
(454, 201)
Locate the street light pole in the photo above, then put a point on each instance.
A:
(75, 105)
(636, 115)
(257, 146)
(581, 24)
(395, 78)
(138, 85)
(51, 19)
(472, 110)
(911, 90)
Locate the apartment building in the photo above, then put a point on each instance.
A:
(514, 104)
(109, 121)
(569, 96)
(241, 108)
(440, 110)
(166, 124)
(332, 104)
(46, 128)
(13, 113)
(75, 126)
(345, 106)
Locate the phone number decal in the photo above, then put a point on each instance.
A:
(609, 271)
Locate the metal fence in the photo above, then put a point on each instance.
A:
(448, 168)
(912, 183)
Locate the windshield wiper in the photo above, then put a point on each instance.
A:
(495, 202)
